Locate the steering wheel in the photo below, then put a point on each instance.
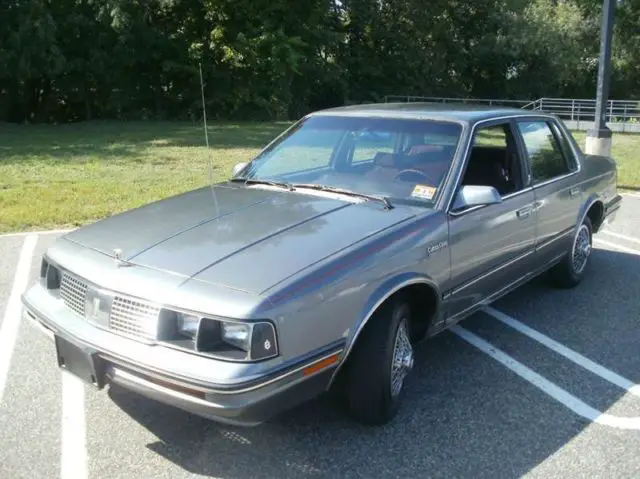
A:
(410, 175)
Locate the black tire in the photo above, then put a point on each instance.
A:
(368, 380)
(564, 274)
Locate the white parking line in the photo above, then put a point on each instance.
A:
(553, 390)
(633, 194)
(39, 233)
(623, 237)
(568, 353)
(73, 458)
(609, 244)
(12, 315)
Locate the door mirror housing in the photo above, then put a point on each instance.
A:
(476, 195)
(238, 168)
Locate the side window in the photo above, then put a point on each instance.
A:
(546, 156)
(493, 160)
(369, 143)
(495, 136)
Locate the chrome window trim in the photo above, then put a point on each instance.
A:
(516, 116)
(576, 154)
(457, 214)
(554, 180)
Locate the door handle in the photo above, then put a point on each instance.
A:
(575, 191)
(524, 212)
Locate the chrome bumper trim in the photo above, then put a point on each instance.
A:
(151, 360)
(242, 406)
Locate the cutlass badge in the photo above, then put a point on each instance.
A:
(436, 247)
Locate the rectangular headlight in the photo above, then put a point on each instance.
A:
(232, 340)
(187, 325)
(237, 334)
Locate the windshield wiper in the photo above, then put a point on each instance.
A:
(313, 186)
(343, 191)
(255, 181)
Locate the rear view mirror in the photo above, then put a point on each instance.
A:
(476, 195)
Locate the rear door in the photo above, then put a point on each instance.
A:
(552, 170)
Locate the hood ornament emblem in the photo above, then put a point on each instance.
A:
(117, 255)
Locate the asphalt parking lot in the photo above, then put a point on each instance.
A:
(546, 383)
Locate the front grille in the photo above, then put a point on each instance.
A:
(127, 316)
(73, 292)
(134, 318)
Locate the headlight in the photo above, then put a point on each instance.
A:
(187, 325)
(218, 337)
(237, 334)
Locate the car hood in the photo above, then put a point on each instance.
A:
(246, 238)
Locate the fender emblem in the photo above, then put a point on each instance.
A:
(437, 247)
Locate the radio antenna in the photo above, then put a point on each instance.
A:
(206, 139)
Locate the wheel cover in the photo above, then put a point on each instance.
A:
(402, 358)
(581, 249)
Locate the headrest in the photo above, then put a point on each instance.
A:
(418, 149)
(384, 159)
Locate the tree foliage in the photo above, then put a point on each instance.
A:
(69, 60)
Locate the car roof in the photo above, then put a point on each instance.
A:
(461, 112)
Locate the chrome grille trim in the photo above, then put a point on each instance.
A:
(131, 317)
(73, 292)
(134, 318)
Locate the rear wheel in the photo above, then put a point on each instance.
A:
(571, 270)
(381, 360)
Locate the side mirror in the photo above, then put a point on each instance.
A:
(238, 168)
(476, 195)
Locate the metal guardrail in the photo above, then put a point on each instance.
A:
(621, 115)
(617, 111)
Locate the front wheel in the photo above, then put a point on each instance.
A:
(381, 360)
(571, 270)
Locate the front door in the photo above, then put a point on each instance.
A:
(491, 246)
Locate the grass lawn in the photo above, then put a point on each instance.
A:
(625, 150)
(68, 175)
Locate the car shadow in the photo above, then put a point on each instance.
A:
(452, 423)
(464, 414)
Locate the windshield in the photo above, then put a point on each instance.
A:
(403, 160)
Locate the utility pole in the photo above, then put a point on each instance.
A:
(599, 138)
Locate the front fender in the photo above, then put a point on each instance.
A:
(384, 291)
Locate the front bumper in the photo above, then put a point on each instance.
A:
(187, 381)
